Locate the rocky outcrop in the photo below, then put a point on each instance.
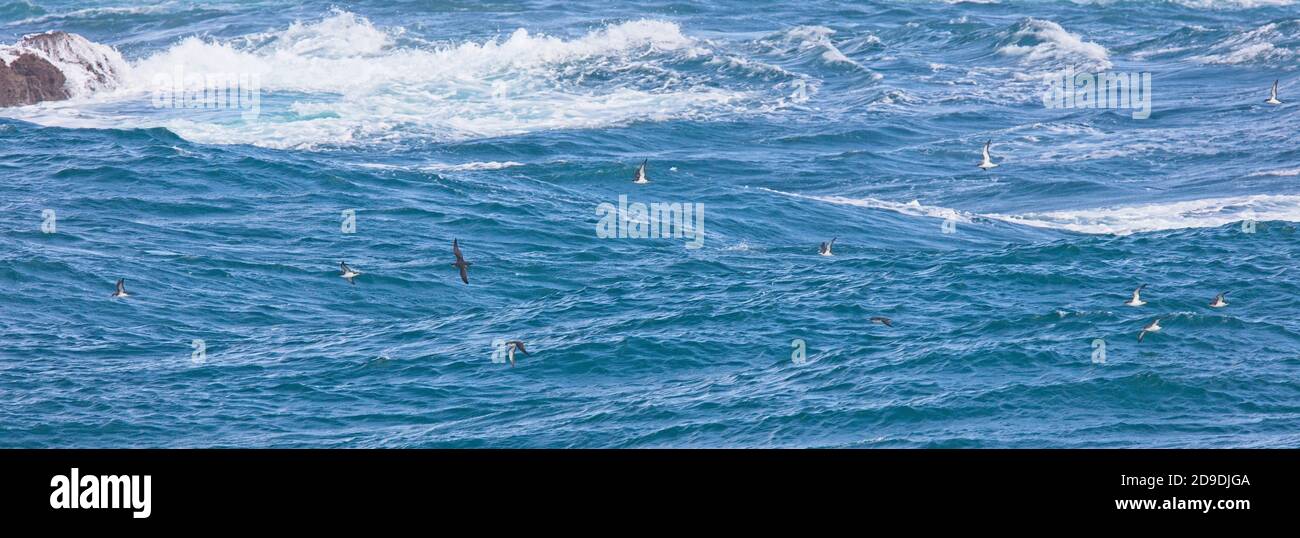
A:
(29, 79)
(54, 66)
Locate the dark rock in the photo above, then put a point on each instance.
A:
(30, 79)
(54, 66)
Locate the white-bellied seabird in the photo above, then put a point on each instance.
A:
(348, 273)
(825, 249)
(511, 346)
(121, 288)
(640, 173)
(1137, 297)
(1272, 95)
(460, 261)
(1154, 326)
(882, 320)
(987, 163)
(1218, 301)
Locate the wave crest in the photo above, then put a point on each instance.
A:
(1117, 220)
(1045, 44)
(343, 81)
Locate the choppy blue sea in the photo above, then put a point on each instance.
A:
(505, 125)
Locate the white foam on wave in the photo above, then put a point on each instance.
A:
(442, 167)
(91, 13)
(1205, 213)
(816, 39)
(1230, 4)
(345, 53)
(1263, 44)
(1281, 172)
(914, 208)
(1201, 4)
(1045, 44)
(1117, 220)
(351, 82)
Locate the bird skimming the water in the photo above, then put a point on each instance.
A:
(1137, 297)
(1154, 326)
(640, 173)
(121, 288)
(348, 273)
(987, 163)
(825, 249)
(1218, 301)
(1272, 95)
(511, 346)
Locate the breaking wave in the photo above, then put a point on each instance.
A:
(342, 81)
(1045, 44)
(1118, 220)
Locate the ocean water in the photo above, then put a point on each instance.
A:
(505, 125)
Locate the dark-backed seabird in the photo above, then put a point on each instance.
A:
(1137, 297)
(882, 320)
(511, 346)
(1218, 301)
(1272, 95)
(460, 261)
(1154, 326)
(348, 273)
(640, 173)
(121, 288)
(987, 163)
(825, 249)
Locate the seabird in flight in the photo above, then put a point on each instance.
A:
(348, 273)
(1154, 326)
(882, 320)
(121, 288)
(1272, 95)
(511, 346)
(987, 163)
(1218, 301)
(825, 249)
(1137, 297)
(640, 173)
(460, 261)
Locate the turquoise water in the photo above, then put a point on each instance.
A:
(790, 124)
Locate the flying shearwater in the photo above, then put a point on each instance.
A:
(1154, 326)
(1218, 301)
(460, 261)
(348, 273)
(825, 249)
(1272, 95)
(882, 320)
(640, 173)
(987, 163)
(121, 288)
(1137, 297)
(511, 346)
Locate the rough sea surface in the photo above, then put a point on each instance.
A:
(506, 124)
